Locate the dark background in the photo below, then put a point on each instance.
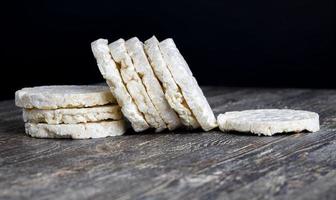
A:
(231, 43)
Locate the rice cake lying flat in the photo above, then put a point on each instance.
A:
(188, 85)
(76, 131)
(154, 90)
(269, 121)
(170, 88)
(112, 76)
(63, 96)
(72, 115)
(135, 86)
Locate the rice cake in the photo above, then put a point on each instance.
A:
(63, 96)
(269, 121)
(76, 131)
(135, 86)
(154, 90)
(171, 91)
(72, 115)
(111, 74)
(188, 85)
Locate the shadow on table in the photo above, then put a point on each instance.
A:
(214, 131)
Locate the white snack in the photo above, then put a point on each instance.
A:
(135, 86)
(171, 90)
(188, 85)
(76, 131)
(63, 96)
(112, 76)
(72, 115)
(135, 50)
(269, 121)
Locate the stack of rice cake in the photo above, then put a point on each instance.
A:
(77, 112)
(152, 86)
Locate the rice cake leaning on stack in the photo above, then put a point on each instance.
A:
(77, 112)
(153, 84)
(135, 85)
(171, 90)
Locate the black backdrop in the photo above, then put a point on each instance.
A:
(232, 43)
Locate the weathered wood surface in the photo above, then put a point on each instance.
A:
(182, 164)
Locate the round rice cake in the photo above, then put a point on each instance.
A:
(187, 83)
(72, 115)
(76, 131)
(63, 96)
(269, 121)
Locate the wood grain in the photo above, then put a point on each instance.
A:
(180, 164)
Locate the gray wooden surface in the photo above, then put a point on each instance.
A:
(181, 164)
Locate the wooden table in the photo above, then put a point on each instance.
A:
(180, 164)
